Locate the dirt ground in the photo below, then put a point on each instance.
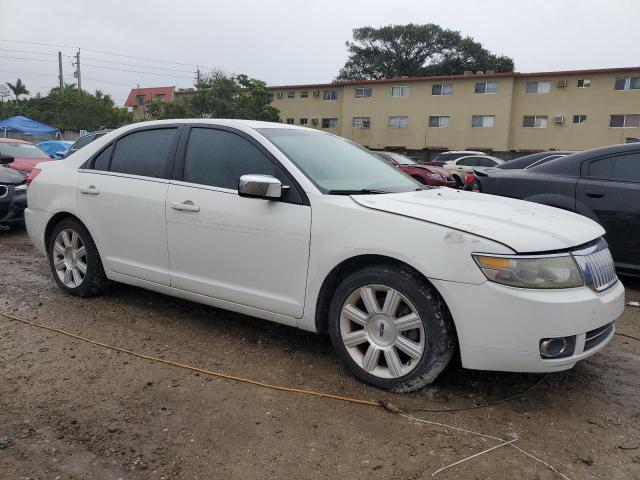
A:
(72, 410)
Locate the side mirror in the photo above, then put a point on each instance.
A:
(66, 153)
(5, 159)
(260, 186)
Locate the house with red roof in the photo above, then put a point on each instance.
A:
(139, 98)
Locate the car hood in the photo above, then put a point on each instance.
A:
(523, 226)
(8, 175)
(26, 164)
(430, 168)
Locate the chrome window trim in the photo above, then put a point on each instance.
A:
(123, 175)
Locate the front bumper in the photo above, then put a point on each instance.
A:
(499, 328)
(12, 207)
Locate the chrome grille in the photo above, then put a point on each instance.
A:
(597, 266)
(3, 191)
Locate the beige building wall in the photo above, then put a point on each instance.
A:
(508, 105)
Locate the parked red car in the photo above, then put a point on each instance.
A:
(425, 174)
(25, 154)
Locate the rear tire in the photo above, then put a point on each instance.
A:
(74, 260)
(391, 329)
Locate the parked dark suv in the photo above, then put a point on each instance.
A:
(85, 140)
(602, 184)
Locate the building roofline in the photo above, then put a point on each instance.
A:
(459, 76)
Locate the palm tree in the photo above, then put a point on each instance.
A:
(18, 89)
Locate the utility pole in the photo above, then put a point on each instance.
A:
(60, 77)
(78, 76)
(198, 76)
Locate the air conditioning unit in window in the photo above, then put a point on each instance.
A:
(314, 121)
(558, 119)
(468, 72)
(561, 84)
(316, 93)
(490, 72)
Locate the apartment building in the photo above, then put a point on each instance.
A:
(508, 114)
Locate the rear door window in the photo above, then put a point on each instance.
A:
(619, 167)
(145, 153)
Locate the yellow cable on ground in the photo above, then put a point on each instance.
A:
(372, 403)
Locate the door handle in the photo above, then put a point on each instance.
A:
(594, 194)
(187, 206)
(90, 190)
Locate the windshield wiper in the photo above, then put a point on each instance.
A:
(362, 191)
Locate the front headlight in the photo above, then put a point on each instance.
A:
(560, 271)
(20, 188)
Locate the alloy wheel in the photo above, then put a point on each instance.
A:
(382, 331)
(70, 258)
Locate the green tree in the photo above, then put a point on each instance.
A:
(219, 95)
(415, 50)
(18, 89)
(69, 109)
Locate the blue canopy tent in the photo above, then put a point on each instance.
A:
(26, 126)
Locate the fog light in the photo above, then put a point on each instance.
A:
(560, 347)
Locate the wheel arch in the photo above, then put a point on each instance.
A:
(57, 218)
(350, 265)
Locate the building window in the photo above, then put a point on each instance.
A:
(361, 122)
(304, 94)
(291, 94)
(486, 87)
(278, 94)
(304, 121)
(362, 92)
(579, 118)
(330, 95)
(627, 83)
(442, 89)
(140, 100)
(483, 121)
(329, 122)
(401, 91)
(290, 121)
(625, 121)
(160, 96)
(398, 122)
(534, 121)
(439, 121)
(539, 87)
(584, 83)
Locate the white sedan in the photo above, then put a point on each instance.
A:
(305, 228)
(459, 167)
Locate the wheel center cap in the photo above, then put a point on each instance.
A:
(382, 330)
(70, 258)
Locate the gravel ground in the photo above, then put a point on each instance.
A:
(72, 410)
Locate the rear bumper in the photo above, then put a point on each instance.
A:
(500, 328)
(36, 223)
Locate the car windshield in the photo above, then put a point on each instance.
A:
(401, 159)
(21, 150)
(336, 165)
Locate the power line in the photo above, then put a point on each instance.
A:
(135, 65)
(33, 73)
(134, 71)
(104, 52)
(105, 67)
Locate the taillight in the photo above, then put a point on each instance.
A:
(32, 175)
(470, 178)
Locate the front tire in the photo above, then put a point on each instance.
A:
(390, 328)
(74, 260)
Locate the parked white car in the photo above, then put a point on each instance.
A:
(307, 229)
(459, 167)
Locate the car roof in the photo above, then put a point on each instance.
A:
(570, 164)
(471, 152)
(253, 124)
(473, 156)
